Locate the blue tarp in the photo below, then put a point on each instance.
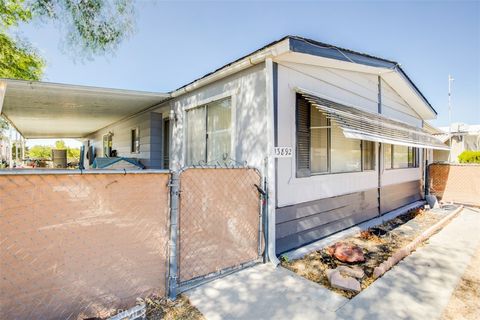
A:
(104, 163)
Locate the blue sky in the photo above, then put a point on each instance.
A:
(176, 42)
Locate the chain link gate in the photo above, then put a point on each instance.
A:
(219, 224)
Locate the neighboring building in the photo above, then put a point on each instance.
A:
(338, 134)
(461, 136)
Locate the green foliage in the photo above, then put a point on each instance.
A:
(45, 152)
(40, 152)
(18, 60)
(13, 11)
(60, 145)
(91, 27)
(469, 156)
(73, 153)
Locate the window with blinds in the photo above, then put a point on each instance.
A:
(322, 147)
(209, 133)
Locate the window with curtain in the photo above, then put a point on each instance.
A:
(323, 148)
(398, 157)
(209, 132)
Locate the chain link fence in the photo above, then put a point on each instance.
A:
(84, 245)
(81, 245)
(458, 183)
(219, 221)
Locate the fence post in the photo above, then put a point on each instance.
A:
(426, 186)
(173, 265)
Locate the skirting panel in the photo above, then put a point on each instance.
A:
(398, 195)
(306, 222)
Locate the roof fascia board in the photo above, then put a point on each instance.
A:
(80, 88)
(274, 50)
(332, 52)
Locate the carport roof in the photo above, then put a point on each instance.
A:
(53, 110)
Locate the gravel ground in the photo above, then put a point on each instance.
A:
(180, 309)
(378, 244)
(465, 301)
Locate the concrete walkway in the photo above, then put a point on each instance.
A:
(419, 287)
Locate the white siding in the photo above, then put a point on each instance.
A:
(248, 92)
(395, 107)
(347, 87)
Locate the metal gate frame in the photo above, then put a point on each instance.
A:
(175, 285)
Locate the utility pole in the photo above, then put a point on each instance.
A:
(450, 80)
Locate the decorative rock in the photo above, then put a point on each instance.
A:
(346, 252)
(432, 201)
(354, 271)
(340, 282)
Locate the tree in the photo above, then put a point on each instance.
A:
(17, 58)
(60, 145)
(40, 152)
(91, 27)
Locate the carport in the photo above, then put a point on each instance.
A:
(43, 110)
(46, 110)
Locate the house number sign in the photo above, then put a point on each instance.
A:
(282, 152)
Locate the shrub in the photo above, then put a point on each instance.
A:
(469, 156)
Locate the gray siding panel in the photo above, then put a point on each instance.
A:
(303, 223)
(302, 238)
(398, 195)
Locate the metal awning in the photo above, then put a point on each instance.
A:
(359, 124)
(53, 110)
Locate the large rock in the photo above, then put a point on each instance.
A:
(337, 280)
(354, 271)
(346, 252)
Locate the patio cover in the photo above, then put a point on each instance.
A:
(52, 110)
(359, 124)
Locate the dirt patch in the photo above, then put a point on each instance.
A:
(180, 309)
(377, 243)
(464, 303)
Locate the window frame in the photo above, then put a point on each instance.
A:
(329, 149)
(134, 136)
(204, 104)
(109, 140)
(415, 158)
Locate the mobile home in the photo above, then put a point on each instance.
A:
(337, 134)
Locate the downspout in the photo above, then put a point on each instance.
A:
(380, 151)
(270, 162)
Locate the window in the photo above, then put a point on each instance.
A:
(323, 148)
(166, 143)
(397, 157)
(107, 145)
(368, 154)
(209, 132)
(135, 141)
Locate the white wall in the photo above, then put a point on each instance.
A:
(248, 92)
(347, 87)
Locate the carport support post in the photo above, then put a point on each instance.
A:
(173, 258)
